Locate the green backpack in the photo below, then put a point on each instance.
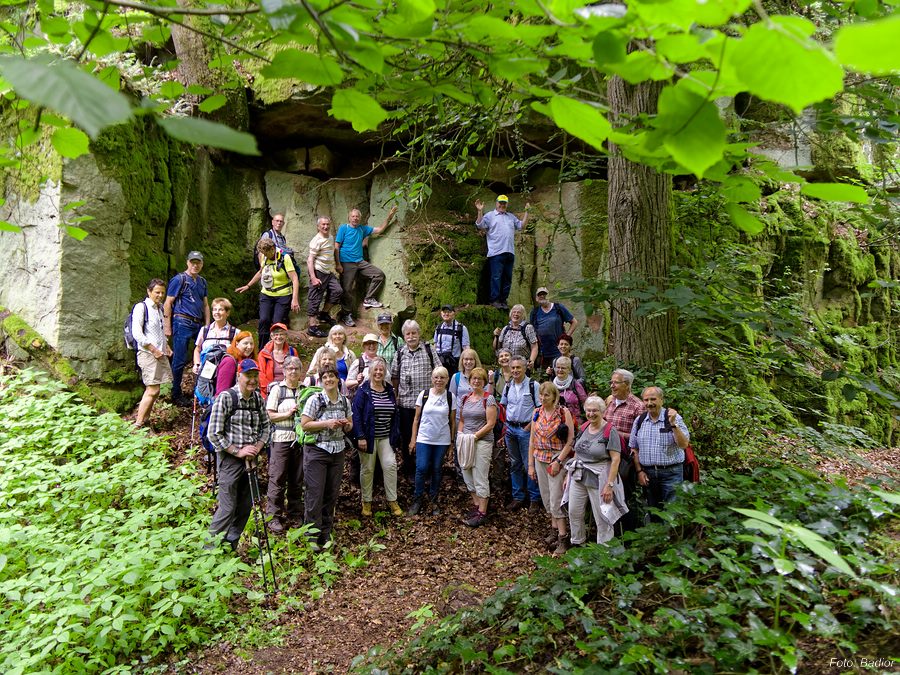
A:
(305, 437)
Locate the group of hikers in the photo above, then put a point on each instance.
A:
(403, 402)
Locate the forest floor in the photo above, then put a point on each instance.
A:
(433, 561)
(428, 561)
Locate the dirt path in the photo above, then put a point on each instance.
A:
(427, 560)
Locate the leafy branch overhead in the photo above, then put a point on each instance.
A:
(386, 62)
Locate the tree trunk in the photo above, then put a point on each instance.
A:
(640, 235)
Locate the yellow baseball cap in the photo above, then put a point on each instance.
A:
(502, 198)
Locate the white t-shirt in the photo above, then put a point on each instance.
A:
(434, 421)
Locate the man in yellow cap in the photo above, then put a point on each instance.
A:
(500, 227)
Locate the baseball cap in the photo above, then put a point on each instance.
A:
(195, 255)
(502, 198)
(370, 337)
(278, 325)
(385, 318)
(542, 289)
(247, 365)
(448, 308)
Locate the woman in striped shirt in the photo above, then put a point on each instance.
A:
(374, 408)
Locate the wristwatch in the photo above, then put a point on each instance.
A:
(610, 485)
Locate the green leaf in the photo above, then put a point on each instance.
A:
(836, 192)
(63, 87)
(740, 189)
(416, 10)
(639, 66)
(76, 232)
(870, 47)
(514, 69)
(171, 89)
(609, 47)
(204, 132)
(820, 547)
(581, 120)
(780, 62)
(55, 25)
(361, 110)
(304, 66)
(212, 103)
(694, 131)
(9, 227)
(70, 142)
(744, 220)
(199, 90)
(889, 497)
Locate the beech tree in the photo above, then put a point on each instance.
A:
(379, 61)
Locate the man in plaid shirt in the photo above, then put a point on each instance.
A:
(238, 430)
(410, 375)
(622, 409)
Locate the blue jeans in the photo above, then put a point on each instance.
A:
(517, 441)
(501, 269)
(183, 333)
(429, 459)
(664, 482)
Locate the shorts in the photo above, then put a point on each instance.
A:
(154, 370)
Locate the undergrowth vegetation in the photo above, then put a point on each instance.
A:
(806, 572)
(100, 541)
(102, 566)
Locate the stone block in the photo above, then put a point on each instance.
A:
(321, 160)
(387, 251)
(494, 170)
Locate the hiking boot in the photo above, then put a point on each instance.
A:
(562, 546)
(415, 507)
(181, 401)
(367, 509)
(552, 539)
(316, 332)
(475, 520)
(326, 318)
(435, 508)
(515, 505)
(395, 509)
(471, 512)
(276, 526)
(371, 303)
(348, 321)
(535, 507)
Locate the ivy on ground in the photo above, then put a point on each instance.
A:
(703, 590)
(101, 543)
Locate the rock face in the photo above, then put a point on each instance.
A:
(153, 199)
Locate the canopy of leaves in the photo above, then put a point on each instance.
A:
(387, 63)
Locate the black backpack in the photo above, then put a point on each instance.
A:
(130, 342)
(520, 329)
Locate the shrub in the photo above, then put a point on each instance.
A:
(101, 557)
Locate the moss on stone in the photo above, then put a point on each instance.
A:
(38, 162)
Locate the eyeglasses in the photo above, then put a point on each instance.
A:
(614, 383)
(277, 220)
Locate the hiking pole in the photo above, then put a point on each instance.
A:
(259, 521)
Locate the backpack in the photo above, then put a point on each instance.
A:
(574, 406)
(232, 331)
(267, 273)
(606, 429)
(454, 330)
(691, 463)
(309, 437)
(534, 312)
(210, 360)
(449, 402)
(130, 342)
(499, 425)
(256, 407)
(520, 329)
(428, 350)
(531, 383)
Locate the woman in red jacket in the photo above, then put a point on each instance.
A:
(272, 356)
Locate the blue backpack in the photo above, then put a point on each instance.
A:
(210, 358)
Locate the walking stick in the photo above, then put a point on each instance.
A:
(259, 521)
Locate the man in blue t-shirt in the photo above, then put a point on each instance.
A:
(349, 262)
(549, 320)
(185, 311)
(499, 226)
